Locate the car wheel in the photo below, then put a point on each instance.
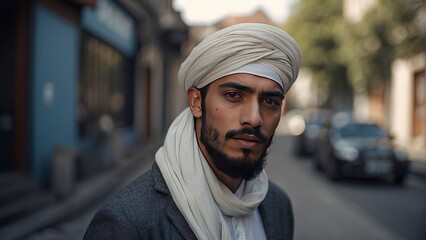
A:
(332, 171)
(398, 179)
(317, 163)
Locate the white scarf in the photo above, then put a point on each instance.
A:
(200, 196)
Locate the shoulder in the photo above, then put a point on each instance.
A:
(140, 189)
(136, 210)
(142, 197)
(276, 194)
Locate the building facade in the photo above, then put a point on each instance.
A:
(408, 106)
(400, 104)
(84, 75)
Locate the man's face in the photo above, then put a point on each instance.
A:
(240, 115)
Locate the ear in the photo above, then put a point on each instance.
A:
(194, 99)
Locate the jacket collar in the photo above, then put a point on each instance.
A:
(172, 211)
(267, 223)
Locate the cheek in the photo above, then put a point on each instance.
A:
(220, 118)
(270, 123)
(218, 113)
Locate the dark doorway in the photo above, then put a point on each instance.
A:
(13, 85)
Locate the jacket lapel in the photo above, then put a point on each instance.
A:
(276, 214)
(179, 221)
(266, 220)
(172, 210)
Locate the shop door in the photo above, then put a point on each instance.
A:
(7, 31)
(13, 85)
(6, 124)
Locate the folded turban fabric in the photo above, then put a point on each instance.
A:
(232, 48)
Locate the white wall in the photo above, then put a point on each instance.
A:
(402, 90)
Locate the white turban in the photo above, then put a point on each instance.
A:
(231, 48)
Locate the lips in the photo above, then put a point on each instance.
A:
(247, 141)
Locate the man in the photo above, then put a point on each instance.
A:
(208, 180)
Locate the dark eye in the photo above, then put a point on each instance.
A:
(271, 102)
(232, 96)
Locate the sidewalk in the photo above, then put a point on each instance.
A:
(85, 194)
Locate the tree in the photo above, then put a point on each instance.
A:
(390, 30)
(344, 56)
(317, 25)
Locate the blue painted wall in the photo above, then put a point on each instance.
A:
(55, 68)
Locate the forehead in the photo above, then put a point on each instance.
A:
(255, 82)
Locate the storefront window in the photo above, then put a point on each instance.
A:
(105, 88)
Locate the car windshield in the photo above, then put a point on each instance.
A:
(362, 130)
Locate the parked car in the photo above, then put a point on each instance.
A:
(359, 150)
(313, 121)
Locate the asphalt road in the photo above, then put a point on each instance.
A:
(351, 209)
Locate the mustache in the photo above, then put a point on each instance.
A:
(249, 131)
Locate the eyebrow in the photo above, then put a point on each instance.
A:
(237, 86)
(274, 93)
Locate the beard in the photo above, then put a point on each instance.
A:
(235, 167)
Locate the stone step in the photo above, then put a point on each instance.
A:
(20, 196)
(17, 189)
(24, 205)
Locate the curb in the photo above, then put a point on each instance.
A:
(418, 168)
(87, 193)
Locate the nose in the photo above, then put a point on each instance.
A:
(250, 115)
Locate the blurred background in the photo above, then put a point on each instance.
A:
(88, 89)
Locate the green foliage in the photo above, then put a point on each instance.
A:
(336, 50)
(393, 29)
(317, 26)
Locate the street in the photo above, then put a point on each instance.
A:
(350, 209)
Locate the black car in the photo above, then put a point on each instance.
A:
(313, 121)
(359, 150)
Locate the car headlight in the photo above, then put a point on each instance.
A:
(400, 154)
(347, 153)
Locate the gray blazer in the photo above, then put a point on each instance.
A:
(145, 210)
